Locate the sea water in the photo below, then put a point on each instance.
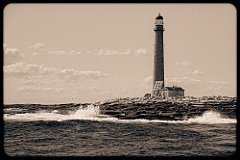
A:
(83, 131)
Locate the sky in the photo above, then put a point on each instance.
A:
(79, 53)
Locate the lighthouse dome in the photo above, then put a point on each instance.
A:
(159, 17)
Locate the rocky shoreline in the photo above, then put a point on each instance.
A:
(167, 109)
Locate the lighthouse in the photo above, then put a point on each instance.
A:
(158, 73)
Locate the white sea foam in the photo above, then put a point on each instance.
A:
(88, 113)
(211, 117)
(93, 113)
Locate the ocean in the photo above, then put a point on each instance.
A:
(77, 130)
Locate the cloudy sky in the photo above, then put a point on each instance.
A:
(62, 53)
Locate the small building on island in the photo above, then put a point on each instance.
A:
(173, 91)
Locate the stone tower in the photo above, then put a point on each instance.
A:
(158, 74)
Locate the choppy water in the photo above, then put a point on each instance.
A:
(68, 131)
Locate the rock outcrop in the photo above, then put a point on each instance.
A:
(168, 109)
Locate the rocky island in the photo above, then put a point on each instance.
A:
(168, 109)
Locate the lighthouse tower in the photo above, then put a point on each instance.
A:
(158, 74)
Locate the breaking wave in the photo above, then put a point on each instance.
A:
(88, 113)
(211, 117)
(93, 113)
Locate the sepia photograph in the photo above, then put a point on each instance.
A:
(119, 79)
